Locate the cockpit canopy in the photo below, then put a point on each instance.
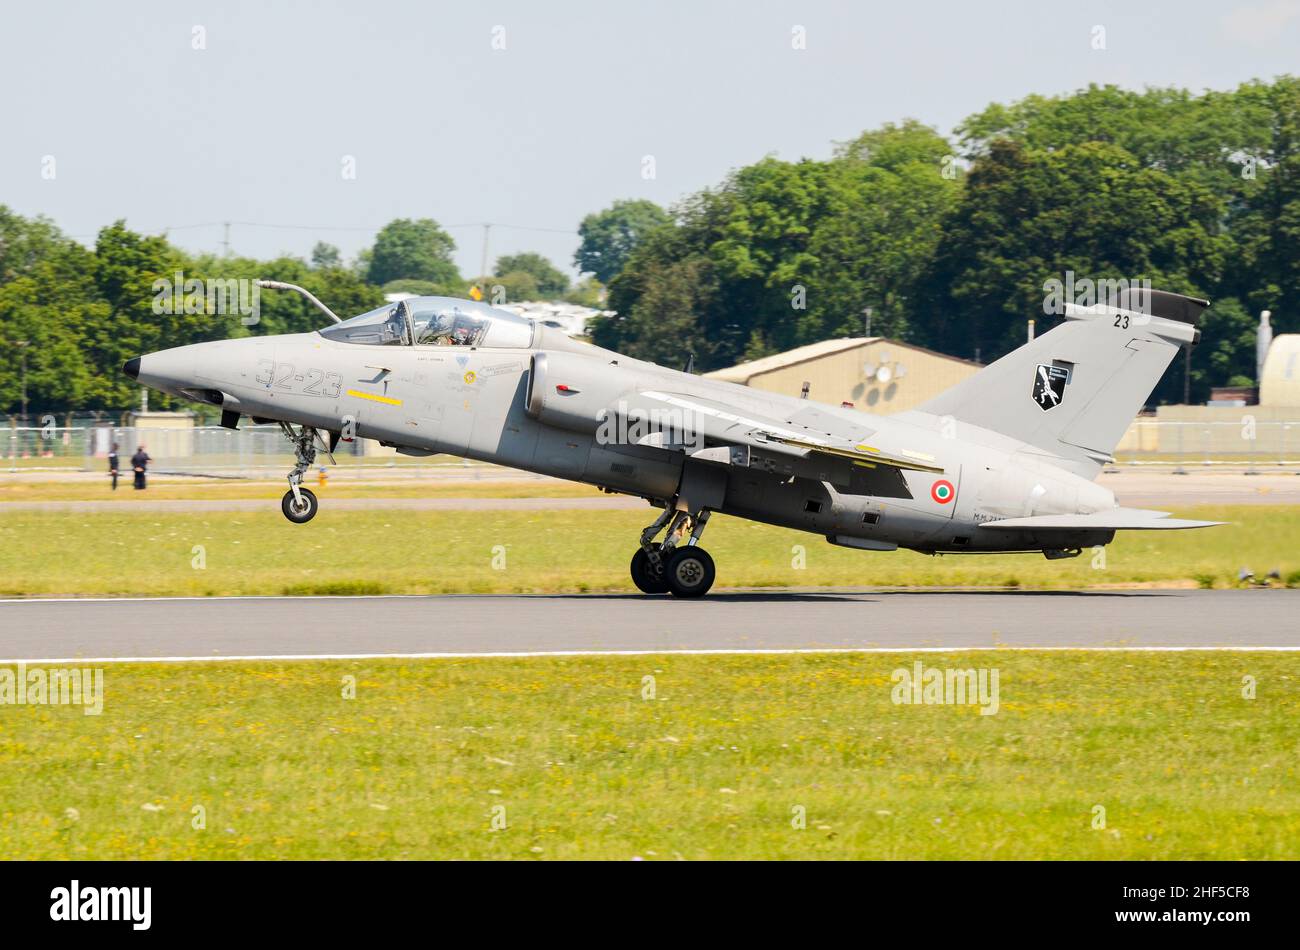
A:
(434, 321)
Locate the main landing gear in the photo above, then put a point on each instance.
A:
(299, 504)
(677, 565)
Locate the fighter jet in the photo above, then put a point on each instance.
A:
(1002, 462)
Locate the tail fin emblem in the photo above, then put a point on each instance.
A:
(1049, 385)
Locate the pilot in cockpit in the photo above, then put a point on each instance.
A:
(453, 329)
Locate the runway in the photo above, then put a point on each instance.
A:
(789, 620)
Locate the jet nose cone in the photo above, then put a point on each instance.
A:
(132, 368)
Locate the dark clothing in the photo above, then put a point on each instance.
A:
(140, 462)
(112, 468)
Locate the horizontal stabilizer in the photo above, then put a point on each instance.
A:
(1117, 519)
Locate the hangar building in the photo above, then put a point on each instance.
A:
(875, 374)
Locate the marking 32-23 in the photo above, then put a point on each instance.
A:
(311, 382)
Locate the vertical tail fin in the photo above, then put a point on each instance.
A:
(1073, 391)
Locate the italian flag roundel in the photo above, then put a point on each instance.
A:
(942, 491)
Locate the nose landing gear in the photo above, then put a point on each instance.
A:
(300, 504)
(302, 509)
(682, 569)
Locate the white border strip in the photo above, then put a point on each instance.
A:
(668, 651)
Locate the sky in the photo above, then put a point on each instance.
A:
(300, 122)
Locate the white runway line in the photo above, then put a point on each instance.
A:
(530, 654)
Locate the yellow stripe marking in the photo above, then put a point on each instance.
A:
(374, 397)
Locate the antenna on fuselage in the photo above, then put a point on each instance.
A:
(690, 363)
(281, 285)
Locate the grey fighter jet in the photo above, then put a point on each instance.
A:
(1002, 462)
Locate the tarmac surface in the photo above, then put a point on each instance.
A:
(726, 620)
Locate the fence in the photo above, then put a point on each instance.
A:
(258, 450)
(1244, 442)
(195, 450)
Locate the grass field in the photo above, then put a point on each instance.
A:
(578, 764)
(405, 552)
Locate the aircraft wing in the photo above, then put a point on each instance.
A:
(1126, 519)
(719, 423)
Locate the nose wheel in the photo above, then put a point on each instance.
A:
(302, 509)
(683, 570)
(299, 504)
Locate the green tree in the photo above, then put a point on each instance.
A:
(890, 192)
(514, 287)
(413, 250)
(47, 313)
(1266, 227)
(422, 288)
(551, 282)
(588, 292)
(1226, 351)
(326, 255)
(789, 253)
(610, 236)
(662, 324)
(127, 267)
(1028, 216)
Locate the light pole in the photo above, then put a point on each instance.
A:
(22, 349)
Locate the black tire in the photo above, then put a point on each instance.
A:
(647, 580)
(689, 572)
(300, 515)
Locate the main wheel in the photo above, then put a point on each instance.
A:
(299, 513)
(689, 572)
(644, 576)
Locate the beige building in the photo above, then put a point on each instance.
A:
(167, 434)
(874, 374)
(1279, 383)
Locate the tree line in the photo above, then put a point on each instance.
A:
(950, 242)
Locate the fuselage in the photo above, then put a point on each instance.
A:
(473, 402)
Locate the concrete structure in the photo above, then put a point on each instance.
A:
(167, 434)
(1215, 431)
(875, 374)
(1279, 381)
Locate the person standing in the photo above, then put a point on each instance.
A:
(112, 465)
(140, 462)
